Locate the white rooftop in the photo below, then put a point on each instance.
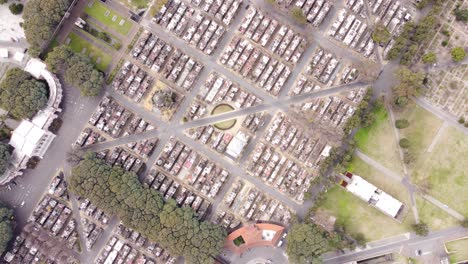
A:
(3, 53)
(237, 144)
(367, 192)
(26, 137)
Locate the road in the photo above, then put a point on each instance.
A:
(408, 246)
(77, 111)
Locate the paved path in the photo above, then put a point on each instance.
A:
(408, 245)
(435, 140)
(452, 120)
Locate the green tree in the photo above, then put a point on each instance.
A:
(298, 15)
(429, 57)
(461, 14)
(404, 143)
(143, 209)
(421, 229)
(4, 157)
(464, 223)
(461, 120)
(15, 8)
(360, 239)
(458, 54)
(3, 2)
(6, 227)
(381, 34)
(410, 85)
(41, 17)
(401, 123)
(77, 68)
(21, 94)
(306, 243)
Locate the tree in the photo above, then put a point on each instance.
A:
(41, 17)
(3, 2)
(298, 15)
(404, 143)
(429, 57)
(6, 227)
(458, 54)
(78, 70)
(401, 123)
(464, 223)
(461, 14)
(410, 85)
(15, 8)
(360, 239)
(461, 120)
(4, 157)
(143, 209)
(381, 34)
(306, 242)
(21, 94)
(420, 229)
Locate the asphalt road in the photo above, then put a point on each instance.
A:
(77, 110)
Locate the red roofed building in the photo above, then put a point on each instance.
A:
(254, 235)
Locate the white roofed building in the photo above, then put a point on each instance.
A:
(373, 195)
(237, 145)
(32, 137)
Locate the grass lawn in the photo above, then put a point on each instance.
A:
(435, 217)
(108, 17)
(378, 141)
(220, 109)
(78, 44)
(457, 250)
(356, 216)
(422, 129)
(443, 170)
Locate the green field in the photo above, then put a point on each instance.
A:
(78, 44)
(443, 171)
(220, 109)
(357, 216)
(378, 141)
(435, 217)
(422, 129)
(457, 250)
(108, 17)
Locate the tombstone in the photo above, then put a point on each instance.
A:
(83, 51)
(98, 60)
(68, 41)
(114, 18)
(107, 13)
(122, 21)
(90, 4)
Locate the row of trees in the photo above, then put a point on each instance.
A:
(415, 37)
(78, 70)
(143, 209)
(5, 155)
(6, 227)
(306, 242)
(21, 94)
(41, 17)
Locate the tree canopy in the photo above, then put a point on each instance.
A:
(143, 209)
(410, 84)
(307, 242)
(15, 8)
(429, 57)
(78, 70)
(4, 157)
(381, 34)
(6, 227)
(461, 14)
(21, 94)
(41, 17)
(458, 54)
